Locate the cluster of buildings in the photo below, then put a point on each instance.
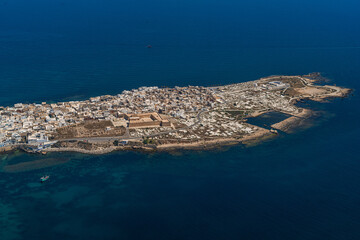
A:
(274, 85)
(36, 123)
(145, 107)
(146, 120)
(257, 95)
(171, 101)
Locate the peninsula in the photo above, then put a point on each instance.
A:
(156, 118)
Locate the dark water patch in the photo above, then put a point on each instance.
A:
(10, 223)
(314, 120)
(21, 157)
(308, 104)
(31, 165)
(23, 162)
(267, 119)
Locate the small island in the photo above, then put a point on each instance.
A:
(153, 118)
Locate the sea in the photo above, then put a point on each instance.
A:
(299, 185)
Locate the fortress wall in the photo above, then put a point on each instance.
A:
(145, 124)
(165, 123)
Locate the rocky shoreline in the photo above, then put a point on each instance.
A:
(261, 134)
(224, 123)
(292, 122)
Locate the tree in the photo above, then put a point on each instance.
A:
(146, 141)
(149, 141)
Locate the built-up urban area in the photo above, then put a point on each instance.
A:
(163, 115)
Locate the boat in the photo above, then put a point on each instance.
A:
(44, 178)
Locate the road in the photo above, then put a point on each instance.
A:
(127, 136)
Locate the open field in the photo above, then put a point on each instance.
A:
(87, 129)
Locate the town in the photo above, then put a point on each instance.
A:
(163, 115)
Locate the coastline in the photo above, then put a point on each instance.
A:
(205, 128)
(258, 136)
(292, 122)
(79, 150)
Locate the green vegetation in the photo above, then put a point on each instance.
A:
(149, 141)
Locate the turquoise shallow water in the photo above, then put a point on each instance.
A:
(299, 186)
(303, 185)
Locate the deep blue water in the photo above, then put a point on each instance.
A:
(300, 186)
